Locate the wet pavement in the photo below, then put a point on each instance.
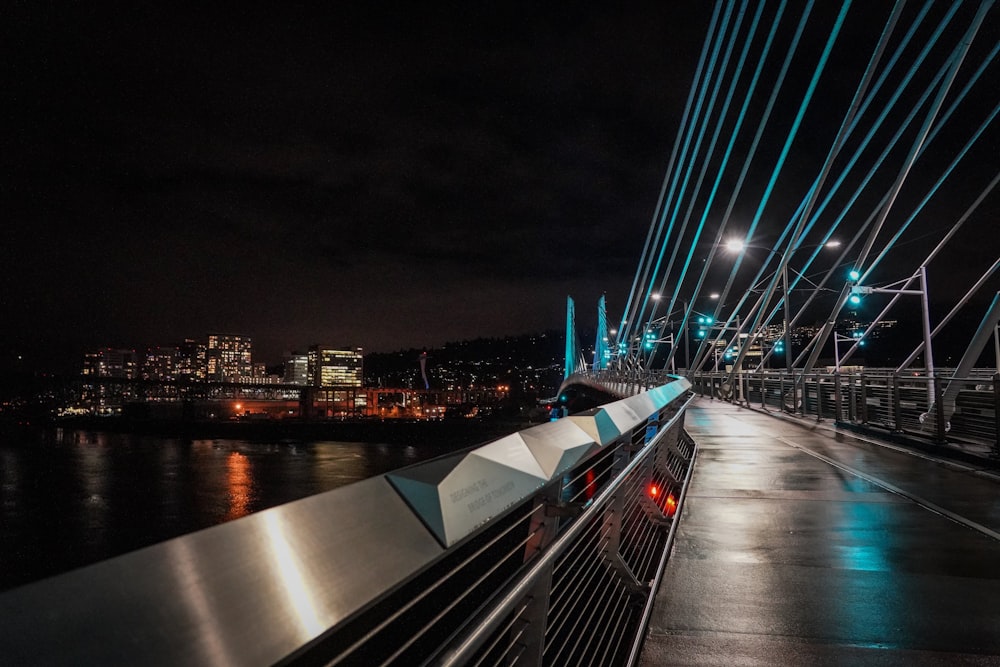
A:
(800, 545)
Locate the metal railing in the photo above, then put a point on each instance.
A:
(544, 547)
(944, 409)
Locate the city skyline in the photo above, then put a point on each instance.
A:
(386, 179)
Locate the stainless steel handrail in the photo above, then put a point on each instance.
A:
(483, 630)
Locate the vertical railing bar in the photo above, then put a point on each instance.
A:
(996, 414)
(897, 404)
(939, 411)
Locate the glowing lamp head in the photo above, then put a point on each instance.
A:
(854, 300)
(854, 275)
(735, 245)
(654, 491)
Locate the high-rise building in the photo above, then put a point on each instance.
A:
(297, 369)
(228, 358)
(335, 367)
(191, 360)
(160, 364)
(111, 363)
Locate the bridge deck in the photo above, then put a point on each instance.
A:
(800, 546)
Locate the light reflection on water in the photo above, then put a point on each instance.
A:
(75, 497)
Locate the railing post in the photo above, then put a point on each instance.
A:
(781, 391)
(819, 400)
(763, 391)
(852, 401)
(543, 531)
(996, 415)
(864, 400)
(838, 400)
(939, 430)
(897, 417)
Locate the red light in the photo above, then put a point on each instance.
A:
(653, 490)
(670, 505)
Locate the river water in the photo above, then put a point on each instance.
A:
(70, 498)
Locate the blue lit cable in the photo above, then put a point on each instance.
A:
(687, 158)
(646, 258)
(793, 131)
(705, 162)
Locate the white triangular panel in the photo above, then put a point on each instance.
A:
(479, 488)
(557, 445)
(510, 451)
(624, 417)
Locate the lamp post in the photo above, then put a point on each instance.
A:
(854, 338)
(859, 291)
(687, 339)
(737, 246)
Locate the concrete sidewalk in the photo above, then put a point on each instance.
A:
(802, 546)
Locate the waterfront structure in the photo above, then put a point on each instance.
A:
(335, 367)
(228, 357)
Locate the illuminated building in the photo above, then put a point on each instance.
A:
(160, 363)
(297, 369)
(335, 367)
(228, 358)
(191, 360)
(111, 363)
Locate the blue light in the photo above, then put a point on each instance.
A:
(701, 333)
(854, 275)
(854, 300)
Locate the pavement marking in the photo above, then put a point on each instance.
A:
(892, 488)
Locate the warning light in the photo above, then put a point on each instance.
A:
(654, 491)
(670, 505)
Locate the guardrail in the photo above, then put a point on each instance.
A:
(544, 546)
(943, 408)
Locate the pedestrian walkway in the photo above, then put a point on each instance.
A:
(801, 546)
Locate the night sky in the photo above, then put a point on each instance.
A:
(384, 178)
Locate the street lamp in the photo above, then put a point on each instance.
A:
(687, 345)
(737, 246)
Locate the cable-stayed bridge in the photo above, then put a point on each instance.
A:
(835, 161)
